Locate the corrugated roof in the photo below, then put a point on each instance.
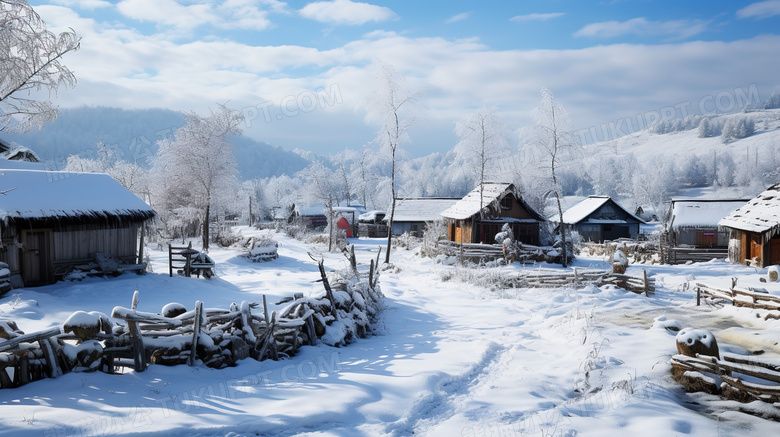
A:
(760, 214)
(700, 213)
(421, 209)
(469, 205)
(33, 194)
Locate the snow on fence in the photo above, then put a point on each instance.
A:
(217, 337)
(740, 297)
(487, 252)
(544, 278)
(742, 378)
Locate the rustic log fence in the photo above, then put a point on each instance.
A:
(741, 297)
(732, 369)
(216, 337)
(480, 252)
(550, 278)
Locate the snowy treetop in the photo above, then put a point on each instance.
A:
(760, 214)
(422, 209)
(470, 205)
(697, 213)
(32, 194)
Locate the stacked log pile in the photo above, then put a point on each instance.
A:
(130, 338)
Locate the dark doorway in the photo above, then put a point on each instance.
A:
(37, 261)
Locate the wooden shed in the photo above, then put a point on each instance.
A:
(754, 230)
(472, 221)
(599, 218)
(694, 222)
(51, 221)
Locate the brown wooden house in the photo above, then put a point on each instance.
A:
(472, 221)
(51, 221)
(754, 230)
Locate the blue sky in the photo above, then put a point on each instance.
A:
(303, 72)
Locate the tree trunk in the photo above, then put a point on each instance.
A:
(562, 229)
(206, 228)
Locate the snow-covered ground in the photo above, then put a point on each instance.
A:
(453, 359)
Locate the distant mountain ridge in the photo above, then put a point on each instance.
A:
(133, 134)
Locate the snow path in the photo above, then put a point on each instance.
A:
(454, 360)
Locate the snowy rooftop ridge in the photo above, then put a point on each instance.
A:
(696, 213)
(422, 209)
(760, 214)
(469, 205)
(582, 210)
(34, 194)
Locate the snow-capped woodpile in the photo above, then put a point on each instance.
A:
(131, 338)
(698, 366)
(262, 249)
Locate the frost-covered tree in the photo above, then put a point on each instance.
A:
(389, 105)
(131, 175)
(773, 102)
(30, 63)
(737, 127)
(481, 142)
(556, 145)
(196, 167)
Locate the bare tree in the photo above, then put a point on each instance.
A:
(196, 167)
(390, 98)
(482, 137)
(30, 62)
(556, 145)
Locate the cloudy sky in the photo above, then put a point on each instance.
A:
(303, 72)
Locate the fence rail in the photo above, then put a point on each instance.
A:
(741, 297)
(577, 277)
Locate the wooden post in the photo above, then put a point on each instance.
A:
(265, 312)
(371, 274)
(644, 280)
(196, 332)
(24, 369)
(698, 296)
(353, 261)
(170, 261)
(141, 246)
(733, 295)
(328, 290)
(52, 366)
(136, 340)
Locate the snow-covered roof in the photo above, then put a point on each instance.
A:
(33, 194)
(582, 210)
(421, 209)
(760, 214)
(14, 152)
(700, 213)
(469, 205)
(21, 165)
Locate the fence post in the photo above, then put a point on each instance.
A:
(196, 332)
(170, 261)
(644, 280)
(698, 296)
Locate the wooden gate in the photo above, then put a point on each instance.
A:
(37, 257)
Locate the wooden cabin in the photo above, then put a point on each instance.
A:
(754, 230)
(413, 213)
(52, 221)
(694, 222)
(472, 221)
(599, 219)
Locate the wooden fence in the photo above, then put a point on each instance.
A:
(682, 255)
(216, 337)
(732, 370)
(477, 252)
(741, 297)
(538, 278)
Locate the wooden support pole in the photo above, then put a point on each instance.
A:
(170, 261)
(698, 296)
(265, 311)
(196, 332)
(52, 366)
(141, 246)
(371, 274)
(23, 373)
(644, 281)
(328, 290)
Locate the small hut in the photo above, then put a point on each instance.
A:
(599, 218)
(52, 221)
(470, 221)
(694, 222)
(413, 213)
(754, 230)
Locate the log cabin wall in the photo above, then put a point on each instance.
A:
(79, 241)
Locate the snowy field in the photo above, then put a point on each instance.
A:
(454, 359)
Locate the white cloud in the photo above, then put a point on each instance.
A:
(346, 12)
(84, 4)
(760, 10)
(537, 17)
(676, 29)
(460, 17)
(231, 14)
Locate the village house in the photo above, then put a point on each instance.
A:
(52, 221)
(412, 213)
(599, 219)
(754, 237)
(694, 222)
(472, 221)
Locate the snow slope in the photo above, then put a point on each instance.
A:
(454, 360)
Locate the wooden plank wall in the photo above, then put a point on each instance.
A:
(79, 241)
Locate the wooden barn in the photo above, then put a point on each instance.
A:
(754, 230)
(599, 218)
(694, 222)
(470, 221)
(51, 221)
(412, 213)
